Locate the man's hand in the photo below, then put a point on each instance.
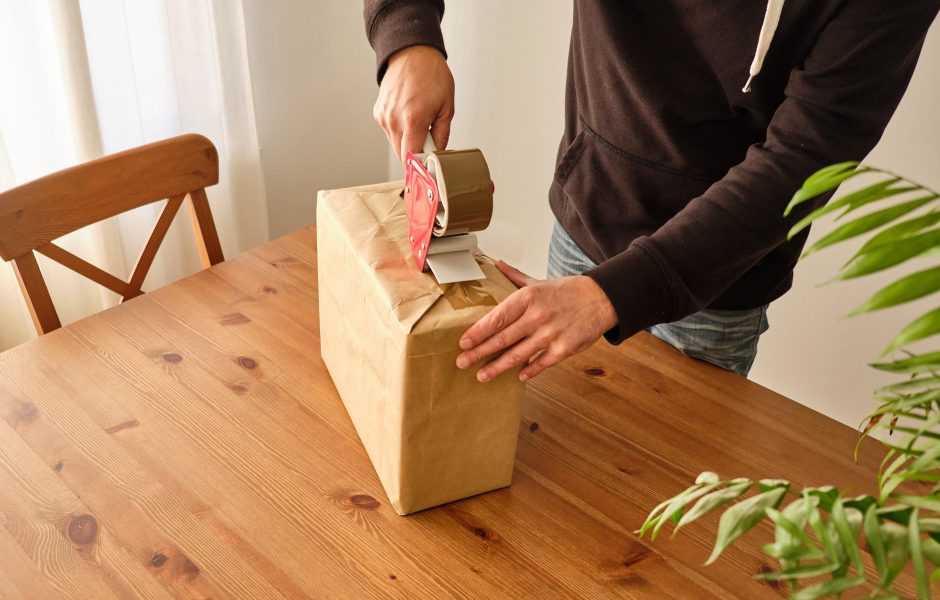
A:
(542, 323)
(417, 92)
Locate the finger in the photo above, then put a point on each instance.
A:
(388, 136)
(378, 113)
(394, 133)
(497, 342)
(412, 139)
(440, 132)
(497, 319)
(510, 359)
(517, 277)
(542, 361)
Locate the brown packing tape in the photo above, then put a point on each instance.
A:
(466, 188)
(467, 294)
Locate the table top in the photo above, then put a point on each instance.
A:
(189, 443)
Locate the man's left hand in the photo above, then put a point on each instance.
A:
(542, 323)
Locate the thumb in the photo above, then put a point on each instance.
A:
(517, 277)
(440, 131)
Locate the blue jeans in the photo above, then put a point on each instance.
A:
(727, 338)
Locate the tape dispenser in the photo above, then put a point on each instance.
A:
(448, 196)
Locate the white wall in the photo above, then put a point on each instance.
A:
(508, 60)
(313, 79)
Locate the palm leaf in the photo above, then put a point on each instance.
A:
(924, 326)
(911, 287)
(855, 200)
(868, 223)
(888, 255)
(899, 231)
(824, 180)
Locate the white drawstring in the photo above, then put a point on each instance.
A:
(767, 30)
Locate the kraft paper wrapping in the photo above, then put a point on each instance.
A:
(388, 336)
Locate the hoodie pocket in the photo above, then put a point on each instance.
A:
(609, 197)
(569, 158)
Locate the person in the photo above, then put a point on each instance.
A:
(688, 127)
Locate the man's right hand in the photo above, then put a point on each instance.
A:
(417, 92)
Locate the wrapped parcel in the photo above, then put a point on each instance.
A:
(389, 335)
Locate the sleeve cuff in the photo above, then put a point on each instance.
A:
(637, 283)
(402, 24)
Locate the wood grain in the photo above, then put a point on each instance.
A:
(196, 430)
(36, 213)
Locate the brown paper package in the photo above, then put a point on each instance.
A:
(388, 336)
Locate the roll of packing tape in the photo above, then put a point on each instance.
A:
(466, 191)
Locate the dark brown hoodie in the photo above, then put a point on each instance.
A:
(670, 176)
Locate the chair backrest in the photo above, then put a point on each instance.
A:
(36, 213)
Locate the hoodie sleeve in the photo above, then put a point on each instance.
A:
(392, 25)
(836, 107)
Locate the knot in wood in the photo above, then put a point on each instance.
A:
(82, 529)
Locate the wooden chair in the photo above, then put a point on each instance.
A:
(36, 213)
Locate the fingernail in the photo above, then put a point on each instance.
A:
(482, 377)
(523, 377)
(465, 344)
(462, 362)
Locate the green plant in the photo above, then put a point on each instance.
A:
(817, 532)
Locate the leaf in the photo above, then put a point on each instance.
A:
(827, 588)
(860, 503)
(929, 456)
(790, 540)
(876, 544)
(840, 519)
(669, 509)
(866, 223)
(931, 550)
(765, 485)
(914, 364)
(898, 513)
(897, 549)
(659, 514)
(901, 230)
(888, 255)
(929, 502)
(922, 327)
(917, 557)
(822, 534)
(830, 171)
(742, 517)
(811, 570)
(825, 495)
(707, 477)
(857, 199)
(900, 405)
(710, 502)
(675, 510)
(910, 384)
(822, 181)
(913, 286)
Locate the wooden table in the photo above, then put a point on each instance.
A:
(190, 443)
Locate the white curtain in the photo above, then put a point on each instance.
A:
(79, 79)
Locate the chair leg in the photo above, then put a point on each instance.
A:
(210, 250)
(41, 308)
